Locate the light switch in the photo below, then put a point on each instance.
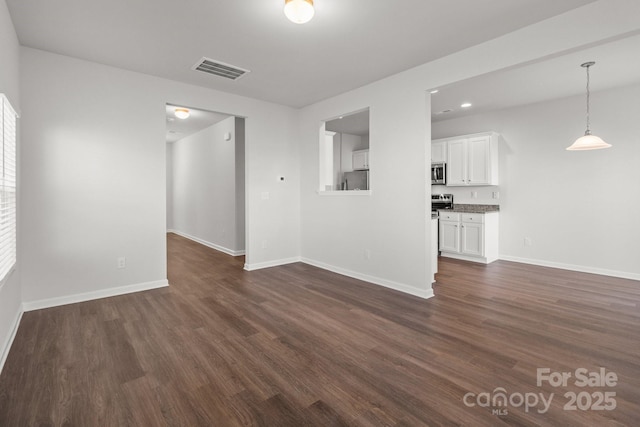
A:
(265, 195)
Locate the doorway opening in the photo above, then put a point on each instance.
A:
(206, 178)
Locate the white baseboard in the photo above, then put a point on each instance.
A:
(208, 244)
(572, 267)
(422, 293)
(478, 259)
(88, 296)
(6, 346)
(274, 263)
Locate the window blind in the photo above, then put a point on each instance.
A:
(8, 121)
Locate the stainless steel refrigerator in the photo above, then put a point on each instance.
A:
(357, 180)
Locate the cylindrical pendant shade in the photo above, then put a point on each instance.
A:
(588, 142)
(299, 11)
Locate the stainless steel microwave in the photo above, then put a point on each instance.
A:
(439, 173)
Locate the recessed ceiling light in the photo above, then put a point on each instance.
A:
(181, 113)
(466, 105)
(434, 91)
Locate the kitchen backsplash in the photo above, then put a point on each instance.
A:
(464, 194)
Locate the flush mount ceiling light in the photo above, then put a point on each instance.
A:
(466, 105)
(181, 113)
(299, 11)
(588, 141)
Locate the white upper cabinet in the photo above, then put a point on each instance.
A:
(438, 151)
(472, 159)
(360, 160)
(457, 162)
(479, 165)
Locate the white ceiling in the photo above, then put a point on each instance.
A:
(617, 65)
(347, 44)
(356, 123)
(197, 120)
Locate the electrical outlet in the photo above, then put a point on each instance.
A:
(496, 194)
(367, 254)
(265, 195)
(527, 241)
(264, 244)
(122, 262)
(474, 194)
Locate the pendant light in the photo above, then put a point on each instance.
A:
(588, 141)
(299, 11)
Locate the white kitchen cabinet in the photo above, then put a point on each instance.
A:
(469, 236)
(472, 159)
(449, 232)
(457, 162)
(439, 151)
(360, 160)
(449, 236)
(472, 239)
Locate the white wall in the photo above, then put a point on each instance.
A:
(94, 163)
(392, 222)
(339, 231)
(578, 208)
(10, 289)
(94, 184)
(169, 180)
(204, 187)
(350, 143)
(344, 144)
(240, 184)
(336, 172)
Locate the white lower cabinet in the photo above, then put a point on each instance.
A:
(469, 236)
(472, 234)
(450, 232)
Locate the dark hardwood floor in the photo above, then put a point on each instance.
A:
(296, 345)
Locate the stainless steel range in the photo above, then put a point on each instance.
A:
(441, 201)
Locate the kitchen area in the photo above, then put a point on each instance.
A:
(344, 153)
(459, 165)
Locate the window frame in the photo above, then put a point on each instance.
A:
(8, 188)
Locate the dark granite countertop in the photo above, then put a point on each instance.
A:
(475, 208)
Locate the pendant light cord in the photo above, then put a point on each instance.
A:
(588, 101)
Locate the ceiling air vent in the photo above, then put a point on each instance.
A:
(218, 68)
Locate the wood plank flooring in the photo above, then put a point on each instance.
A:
(299, 346)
